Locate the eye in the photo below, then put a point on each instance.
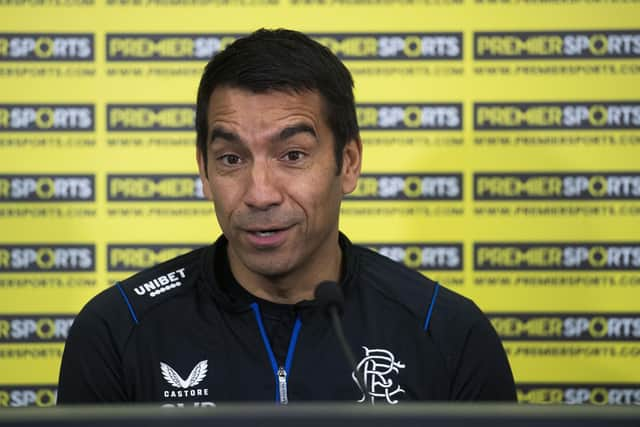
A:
(294, 156)
(230, 159)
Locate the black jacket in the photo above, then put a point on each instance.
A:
(182, 333)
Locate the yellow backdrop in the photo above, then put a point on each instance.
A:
(502, 158)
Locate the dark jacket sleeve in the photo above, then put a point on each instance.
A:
(92, 369)
(483, 371)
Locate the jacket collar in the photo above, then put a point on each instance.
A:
(223, 294)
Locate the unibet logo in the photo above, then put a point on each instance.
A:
(47, 188)
(409, 116)
(556, 186)
(557, 115)
(589, 394)
(43, 396)
(408, 187)
(166, 47)
(34, 328)
(393, 46)
(139, 257)
(161, 284)
(47, 117)
(46, 47)
(556, 256)
(44, 258)
(146, 117)
(556, 45)
(422, 256)
(566, 327)
(125, 188)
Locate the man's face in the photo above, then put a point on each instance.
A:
(272, 177)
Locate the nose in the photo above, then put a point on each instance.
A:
(264, 189)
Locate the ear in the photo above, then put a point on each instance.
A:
(351, 165)
(202, 171)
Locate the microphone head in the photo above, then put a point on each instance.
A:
(329, 294)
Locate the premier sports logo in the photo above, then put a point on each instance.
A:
(185, 386)
(166, 47)
(46, 47)
(47, 188)
(579, 394)
(566, 326)
(408, 187)
(123, 257)
(47, 258)
(552, 256)
(428, 116)
(393, 46)
(532, 45)
(150, 117)
(158, 188)
(586, 115)
(600, 185)
(34, 328)
(422, 256)
(47, 117)
(20, 396)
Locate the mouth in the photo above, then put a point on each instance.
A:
(268, 236)
(265, 233)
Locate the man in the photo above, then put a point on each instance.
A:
(278, 147)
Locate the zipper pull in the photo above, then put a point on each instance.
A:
(282, 384)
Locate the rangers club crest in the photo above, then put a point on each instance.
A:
(380, 370)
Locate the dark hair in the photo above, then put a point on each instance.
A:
(282, 60)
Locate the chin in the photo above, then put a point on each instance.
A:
(269, 268)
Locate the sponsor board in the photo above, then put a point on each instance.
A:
(47, 117)
(393, 46)
(45, 47)
(47, 188)
(578, 394)
(135, 257)
(566, 326)
(422, 256)
(34, 328)
(585, 256)
(43, 258)
(585, 115)
(150, 117)
(165, 47)
(383, 187)
(446, 116)
(157, 188)
(601, 185)
(534, 45)
(347, 46)
(22, 396)
(625, 282)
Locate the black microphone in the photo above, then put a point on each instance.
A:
(330, 298)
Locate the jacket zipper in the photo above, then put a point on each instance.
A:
(281, 373)
(282, 385)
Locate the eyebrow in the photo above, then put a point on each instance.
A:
(290, 131)
(219, 132)
(286, 133)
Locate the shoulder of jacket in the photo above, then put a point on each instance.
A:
(393, 280)
(413, 290)
(160, 284)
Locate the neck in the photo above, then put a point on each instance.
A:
(293, 286)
